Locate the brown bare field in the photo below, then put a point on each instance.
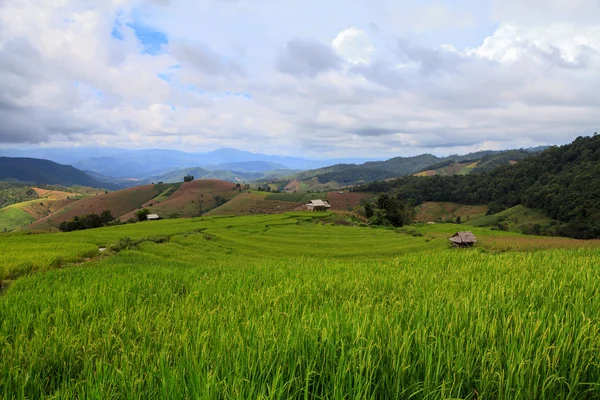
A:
(119, 203)
(436, 211)
(53, 194)
(191, 199)
(346, 200)
(254, 203)
(293, 185)
(44, 207)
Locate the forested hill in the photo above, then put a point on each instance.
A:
(563, 182)
(36, 171)
(350, 174)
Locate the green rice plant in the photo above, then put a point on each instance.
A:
(264, 307)
(453, 325)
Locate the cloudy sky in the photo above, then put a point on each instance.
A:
(320, 78)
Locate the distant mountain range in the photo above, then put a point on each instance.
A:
(35, 171)
(351, 174)
(123, 163)
(131, 168)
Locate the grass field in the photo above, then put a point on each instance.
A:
(514, 217)
(444, 211)
(452, 169)
(12, 217)
(289, 306)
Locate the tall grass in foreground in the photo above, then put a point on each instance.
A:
(171, 321)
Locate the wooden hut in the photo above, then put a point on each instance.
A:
(318, 205)
(463, 239)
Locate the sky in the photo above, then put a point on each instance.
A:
(313, 78)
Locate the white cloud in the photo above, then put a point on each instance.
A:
(354, 45)
(63, 78)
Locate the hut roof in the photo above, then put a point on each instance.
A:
(152, 216)
(319, 203)
(463, 237)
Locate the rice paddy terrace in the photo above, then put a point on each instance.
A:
(297, 306)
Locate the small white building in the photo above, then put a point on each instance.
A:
(318, 205)
(152, 217)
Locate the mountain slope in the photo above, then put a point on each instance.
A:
(562, 182)
(119, 203)
(424, 164)
(38, 171)
(201, 173)
(248, 166)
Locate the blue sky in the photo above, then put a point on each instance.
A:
(373, 78)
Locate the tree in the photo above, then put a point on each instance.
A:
(106, 217)
(142, 214)
(188, 178)
(368, 210)
(458, 221)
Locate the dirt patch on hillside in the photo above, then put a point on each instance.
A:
(346, 201)
(53, 194)
(44, 207)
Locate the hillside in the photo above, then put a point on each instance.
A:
(14, 192)
(561, 182)
(189, 199)
(119, 203)
(248, 166)
(46, 202)
(448, 212)
(449, 168)
(255, 203)
(517, 219)
(36, 171)
(167, 200)
(344, 175)
(201, 173)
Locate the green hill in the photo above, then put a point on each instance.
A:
(341, 175)
(36, 171)
(562, 182)
(517, 219)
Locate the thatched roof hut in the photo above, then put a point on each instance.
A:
(463, 239)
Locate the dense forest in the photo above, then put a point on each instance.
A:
(563, 182)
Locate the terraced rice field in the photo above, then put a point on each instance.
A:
(288, 306)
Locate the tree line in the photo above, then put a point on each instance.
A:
(88, 221)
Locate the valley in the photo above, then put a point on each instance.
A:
(239, 292)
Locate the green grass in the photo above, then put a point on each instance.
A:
(284, 306)
(14, 217)
(166, 193)
(515, 217)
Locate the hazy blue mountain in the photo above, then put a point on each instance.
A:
(248, 166)
(127, 163)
